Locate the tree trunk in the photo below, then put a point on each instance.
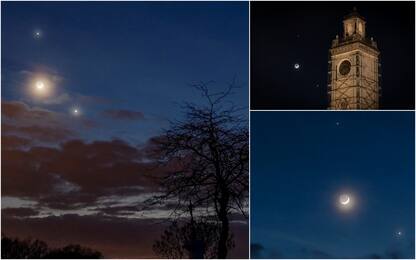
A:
(225, 227)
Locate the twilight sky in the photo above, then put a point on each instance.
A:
(285, 33)
(302, 161)
(126, 68)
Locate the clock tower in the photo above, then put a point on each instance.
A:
(354, 67)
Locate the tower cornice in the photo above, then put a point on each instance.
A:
(354, 45)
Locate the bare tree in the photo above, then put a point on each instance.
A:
(210, 149)
(196, 238)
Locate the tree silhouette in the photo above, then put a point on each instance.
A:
(74, 252)
(28, 248)
(194, 239)
(210, 151)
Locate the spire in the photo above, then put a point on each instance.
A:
(354, 14)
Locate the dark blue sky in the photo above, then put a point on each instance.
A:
(134, 56)
(301, 161)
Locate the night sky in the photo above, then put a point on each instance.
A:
(302, 161)
(285, 33)
(84, 88)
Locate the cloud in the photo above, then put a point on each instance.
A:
(14, 142)
(76, 174)
(35, 124)
(15, 202)
(102, 177)
(39, 133)
(19, 212)
(39, 125)
(20, 111)
(23, 172)
(43, 70)
(123, 114)
(88, 123)
(73, 97)
(57, 100)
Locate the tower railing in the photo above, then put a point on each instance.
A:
(352, 38)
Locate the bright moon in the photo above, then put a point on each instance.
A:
(344, 199)
(40, 85)
(297, 66)
(41, 88)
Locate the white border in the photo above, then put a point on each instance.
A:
(249, 130)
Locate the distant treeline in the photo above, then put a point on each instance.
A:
(30, 248)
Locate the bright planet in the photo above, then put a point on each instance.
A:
(76, 112)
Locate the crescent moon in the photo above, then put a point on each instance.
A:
(345, 202)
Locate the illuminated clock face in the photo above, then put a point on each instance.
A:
(345, 67)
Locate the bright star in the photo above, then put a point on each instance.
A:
(399, 233)
(37, 34)
(297, 66)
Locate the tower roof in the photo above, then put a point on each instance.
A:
(354, 14)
